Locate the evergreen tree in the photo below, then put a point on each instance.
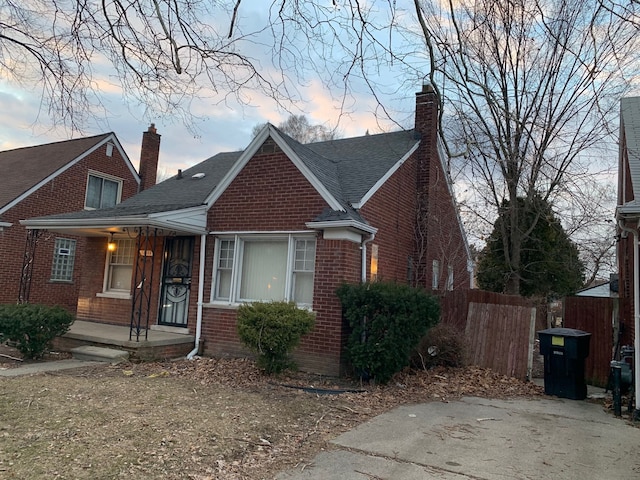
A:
(551, 266)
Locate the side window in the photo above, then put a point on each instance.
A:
(303, 269)
(435, 274)
(449, 277)
(64, 255)
(102, 192)
(225, 268)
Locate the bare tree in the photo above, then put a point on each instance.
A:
(531, 87)
(527, 86)
(164, 54)
(299, 128)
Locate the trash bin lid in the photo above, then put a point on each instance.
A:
(564, 332)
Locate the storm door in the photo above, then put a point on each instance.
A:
(176, 281)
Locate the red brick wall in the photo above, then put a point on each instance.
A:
(446, 241)
(65, 193)
(439, 235)
(625, 248)
(272, 195)
(392, 211)
(117, 311)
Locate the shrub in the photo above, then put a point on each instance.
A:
(387, 321)
(443, 345)
(32, 327)
(273, 330)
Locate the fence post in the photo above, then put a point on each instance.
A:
(532, 343)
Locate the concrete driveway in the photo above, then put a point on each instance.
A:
(477, 438)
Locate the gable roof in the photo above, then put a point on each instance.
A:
(346, 172)
(630, 128)
(26, 169)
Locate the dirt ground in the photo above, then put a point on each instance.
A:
(200, 419)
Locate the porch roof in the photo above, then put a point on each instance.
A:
(178, 219)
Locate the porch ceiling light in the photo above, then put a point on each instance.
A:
(111, 245)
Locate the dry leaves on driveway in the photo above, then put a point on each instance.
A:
(200, 419)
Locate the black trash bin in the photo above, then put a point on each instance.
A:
(564, 351)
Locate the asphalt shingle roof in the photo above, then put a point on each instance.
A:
(23, 168)
(348, 168)
(630, 112)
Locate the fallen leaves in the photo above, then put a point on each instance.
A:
(207, 418)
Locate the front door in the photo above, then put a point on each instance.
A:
(176, 281)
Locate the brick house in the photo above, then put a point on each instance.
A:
(628, 218)
(277, 220)
(85, 173)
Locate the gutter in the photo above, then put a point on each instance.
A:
(636, 313)
(203, 245)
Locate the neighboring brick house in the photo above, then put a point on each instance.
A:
(278, 220)
(628, 217)
(85, 173)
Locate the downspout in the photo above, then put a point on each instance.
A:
(636, 314)
(363, 248)
(203, 245)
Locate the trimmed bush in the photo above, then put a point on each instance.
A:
(273, 330)
(387, 321)
(32, 327)
(443, 345)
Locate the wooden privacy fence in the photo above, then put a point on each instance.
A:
(499, 329)
(595, 316)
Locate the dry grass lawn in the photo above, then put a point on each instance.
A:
(202, 419)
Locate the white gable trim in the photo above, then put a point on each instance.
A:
(109, 139)
(126, 158)
(385, 177)
(250, 151)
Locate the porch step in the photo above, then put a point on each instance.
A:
(99, 354)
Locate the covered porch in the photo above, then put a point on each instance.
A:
(158, 344)
(137, 270)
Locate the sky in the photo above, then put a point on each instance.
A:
(222, 126)
(225, 127)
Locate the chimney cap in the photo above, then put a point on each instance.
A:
(427, 87)
(152, 128)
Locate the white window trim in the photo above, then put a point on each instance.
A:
(113, 293)
(238, 239)
(104, 176)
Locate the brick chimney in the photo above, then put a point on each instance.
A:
(427, 166)
(426, 128)
(149, 154)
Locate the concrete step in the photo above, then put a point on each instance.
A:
(99, 354)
